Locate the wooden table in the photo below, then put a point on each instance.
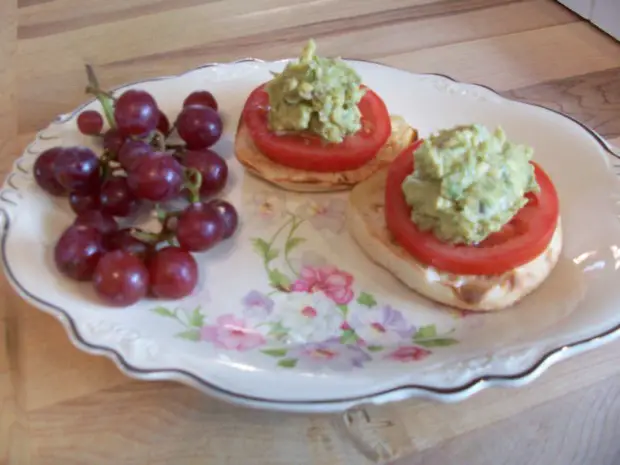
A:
(59, 406)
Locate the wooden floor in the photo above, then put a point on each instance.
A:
(61, 407)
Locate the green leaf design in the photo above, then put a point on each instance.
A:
(260, 246)
(163, 311)
(439, 342)
(425, 332)
(275, 352)
(348, 337)
(344, 309)
(278, 279)
(271, 255)
(375, 348)
(197, 319)
(287, 363)
(292, 243)
(277, 330)
(366, 299)
(190, 335)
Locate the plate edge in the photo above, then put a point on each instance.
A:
(398, 393)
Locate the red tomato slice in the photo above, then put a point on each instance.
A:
(308, 151)
(524, 238)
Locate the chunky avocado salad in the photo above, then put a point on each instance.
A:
(468, 182)
(317, 95)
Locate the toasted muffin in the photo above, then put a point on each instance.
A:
(366, 223)
(308, 181)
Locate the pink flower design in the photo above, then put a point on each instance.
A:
(408, 354)
(383, 325)
(326, 214)
(268, 206)
(472, 319)
(334, 283)
(328, 354)
(459, 313)
(231, 333)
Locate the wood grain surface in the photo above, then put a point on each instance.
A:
(59, 406)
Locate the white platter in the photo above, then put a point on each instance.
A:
(241, 341)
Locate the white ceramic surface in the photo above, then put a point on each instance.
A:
(346, 332)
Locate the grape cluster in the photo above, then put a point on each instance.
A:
(139, 167)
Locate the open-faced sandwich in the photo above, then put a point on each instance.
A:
(314, 127)
(463, 217)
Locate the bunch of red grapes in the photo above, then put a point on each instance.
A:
(138, 166)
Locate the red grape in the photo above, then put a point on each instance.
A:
(133, 152)
(98, 220)
(136, 113)
(173, 273)
(78, 251)
(120, 279)
(82, 202)
(116, 198)
(113, 141)
(199, 228)
(125, 240)
(44, 171)
(90, 122)
(158, 178)
(202, 98)
(228, 216)
(200, 127)
(211, 166)
(77, 169)
(163, 124)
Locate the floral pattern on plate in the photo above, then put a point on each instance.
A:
(575, 310)
(313, 316)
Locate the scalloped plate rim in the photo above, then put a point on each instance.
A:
(399, 393)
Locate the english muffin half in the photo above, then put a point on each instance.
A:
(256, 163)
(366, 223)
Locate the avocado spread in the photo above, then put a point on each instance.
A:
(316, 94)
(468, 183)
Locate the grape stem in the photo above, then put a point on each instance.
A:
(105, 99)
(193, 182)
(144, 236)
(158, 140)
(177, 147)
(106, 168)
(162, 215)
(154, 239)
(171, 130)
(166, 234)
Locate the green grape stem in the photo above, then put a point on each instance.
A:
(165, 235)
(105, 99)
(105, 162)
(158, 140)
(193, 182)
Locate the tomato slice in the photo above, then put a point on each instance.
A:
(308, 151)
(521, 240)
